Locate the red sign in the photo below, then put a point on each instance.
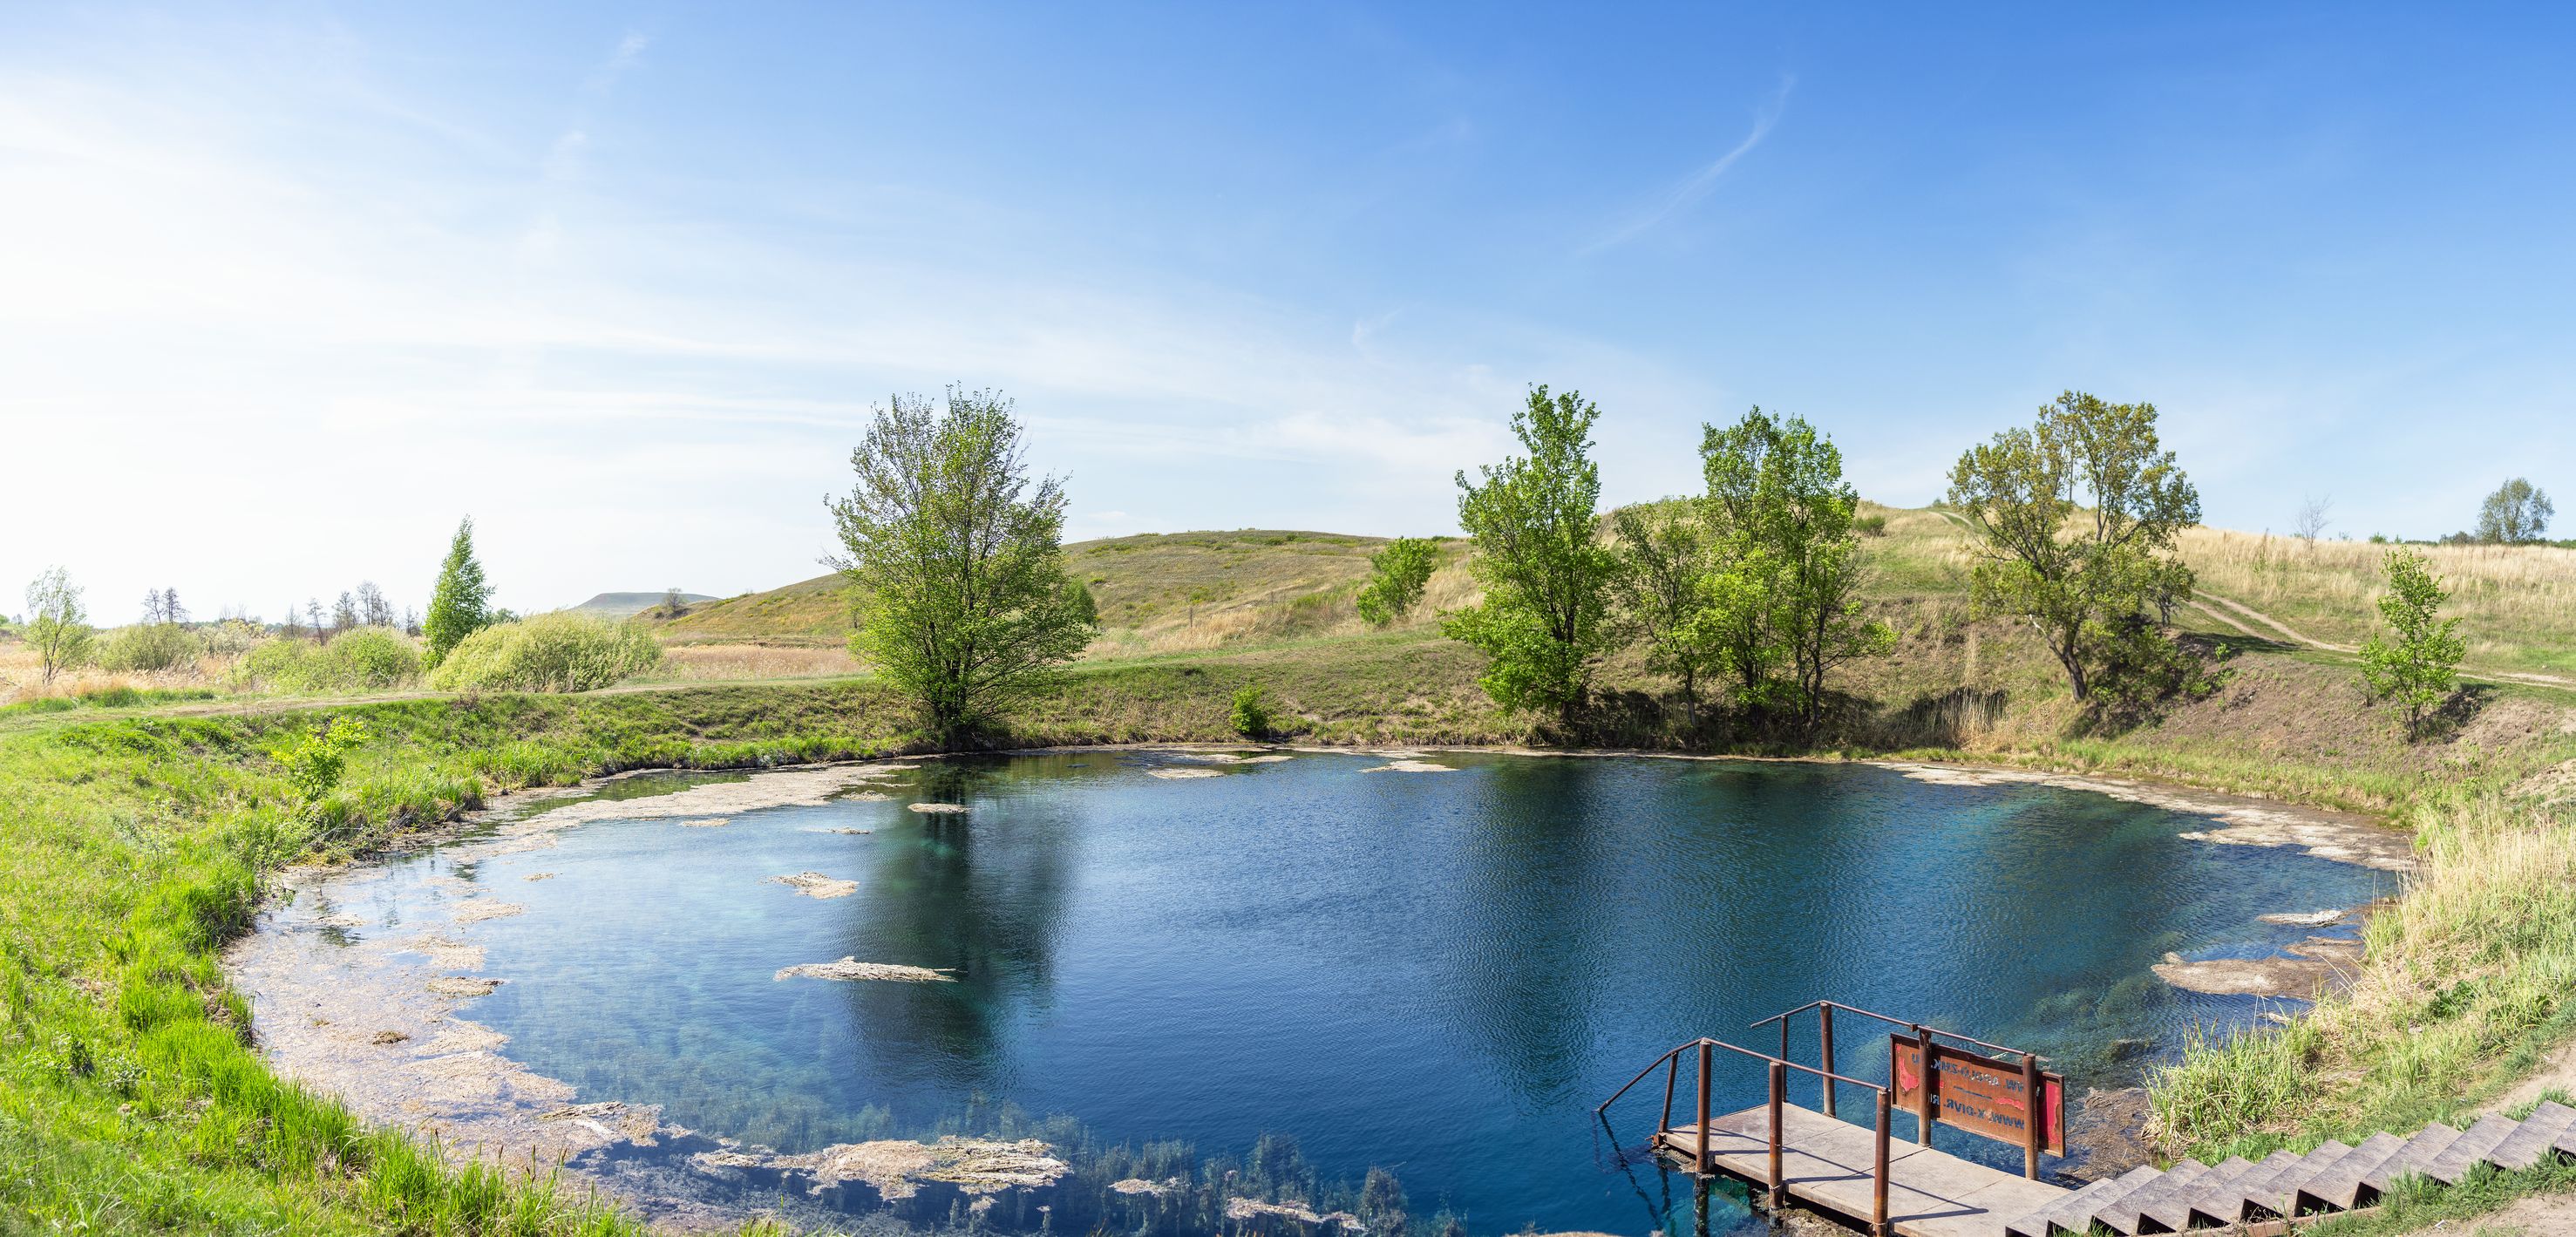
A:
(1979, 1094)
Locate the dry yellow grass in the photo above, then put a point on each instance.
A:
(693, 663)
(22, 676)
(2517, 603)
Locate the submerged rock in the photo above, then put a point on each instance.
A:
(1240, 1209)
(462, 986)
(2299, 919)
(447, 954)
(476, 910)
(712, 822)
(2315, 964)
(938, 809)
(816, 885)
(852, 968)
(897, 1169)
(1179, 774)
(1409, 765)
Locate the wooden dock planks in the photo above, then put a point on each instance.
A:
(1827, 1163)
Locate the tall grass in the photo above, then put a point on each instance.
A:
(2467, 980)
(2517, 603)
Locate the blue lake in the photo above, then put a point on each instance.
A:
(1436, 973)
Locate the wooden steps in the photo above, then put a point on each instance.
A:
(2292, 1186)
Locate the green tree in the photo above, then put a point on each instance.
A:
(956, 560)
(2417, 664)
(1544, 620)
(2515, 514)
(460, 605)
(2076, 517)
(1792, 545)
(1663, 591)
(1397, 573)
(57, 622)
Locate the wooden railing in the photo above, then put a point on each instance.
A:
(1925, 1096)
(1778, 1070)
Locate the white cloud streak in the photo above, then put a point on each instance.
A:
(1692, 188)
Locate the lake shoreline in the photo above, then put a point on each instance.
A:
(393, 1013)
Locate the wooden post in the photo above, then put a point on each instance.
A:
(1878, 1186)
(1672, 1071)
(1825, 1033)
(1703, 1108)
(2034, 1122)
(1779, 1083)
(1923, 1094)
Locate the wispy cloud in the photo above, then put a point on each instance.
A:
(1683, 196)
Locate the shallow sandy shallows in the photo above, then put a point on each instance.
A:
(2300, 972)
(362, 982)
(2243, 822)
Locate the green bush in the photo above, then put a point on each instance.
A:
(548, 653)
(147, 647)
(360, 658)
(1252, 711)
(314, 759)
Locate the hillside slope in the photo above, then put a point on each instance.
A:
(628, 605)
(1201, 591)
(1248, 581)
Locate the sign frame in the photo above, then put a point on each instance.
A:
(1984, 1093)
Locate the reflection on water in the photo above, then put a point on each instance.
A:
(1437, 973)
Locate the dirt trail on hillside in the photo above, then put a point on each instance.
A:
(2219, 608)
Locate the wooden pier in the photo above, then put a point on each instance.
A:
(1860, 1172)
(1830, 1165)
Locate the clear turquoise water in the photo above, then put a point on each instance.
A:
(1441, 974)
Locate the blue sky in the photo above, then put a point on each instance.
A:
(287, 289)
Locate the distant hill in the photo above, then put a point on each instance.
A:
(628, 605)
(1220, 585)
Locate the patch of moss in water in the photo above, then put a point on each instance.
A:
(1437, 975)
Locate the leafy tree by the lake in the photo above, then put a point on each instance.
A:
(2076, 517)
(1664, 590)
(1397, 573)
(57, 622)
(955, 560)
(2516, 514)
(1789, 577)
(459, 606)
(2416, 663)
(1545, 618)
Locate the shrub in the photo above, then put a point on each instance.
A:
(1871, 525)
(548, 653)
(1251, 711)
(147, 647)
(362, 657)
(314, 759)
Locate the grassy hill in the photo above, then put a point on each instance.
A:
(1183, 592)
(628, 605)
(1158, 592)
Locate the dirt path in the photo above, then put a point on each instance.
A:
(2228, 610)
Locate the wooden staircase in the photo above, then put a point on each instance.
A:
(2285, 1187)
